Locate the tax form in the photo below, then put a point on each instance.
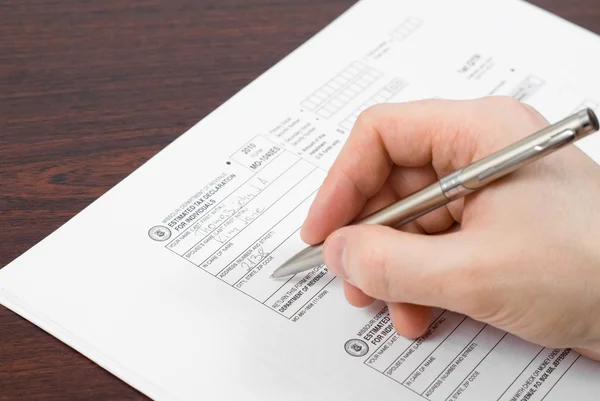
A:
(164, 280)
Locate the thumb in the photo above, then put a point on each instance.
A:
(395, 266)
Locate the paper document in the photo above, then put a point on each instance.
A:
(164, 280)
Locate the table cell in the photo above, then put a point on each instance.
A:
(540, 375)
(298, 291)
(233, 201)
(390, 349)
(442, 357)
(267, 207)
(464, 363)
(420, 349)
(494, 372)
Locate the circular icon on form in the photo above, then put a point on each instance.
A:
(356, 347)
(159, 233)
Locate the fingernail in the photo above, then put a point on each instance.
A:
(334, 255)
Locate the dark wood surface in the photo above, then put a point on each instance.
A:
(90, 90)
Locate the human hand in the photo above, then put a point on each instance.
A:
(522, 255)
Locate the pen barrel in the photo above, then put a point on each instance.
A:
(409, 208)
(526, 151)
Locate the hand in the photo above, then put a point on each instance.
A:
(522, 254)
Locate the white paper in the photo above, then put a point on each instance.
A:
(163, 281)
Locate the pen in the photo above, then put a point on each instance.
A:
(462, 182)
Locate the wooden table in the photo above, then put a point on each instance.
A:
(91, 90)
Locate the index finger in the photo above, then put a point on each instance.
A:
(384, 135)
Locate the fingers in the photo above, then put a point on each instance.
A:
(591, 354)
(343, 194)
(410, 321)
(363, 166)
(412, 134)
(395, 266)
(356, 297)
(386, 196)
(405, 181)
(383, 198)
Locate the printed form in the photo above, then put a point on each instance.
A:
(164, 280)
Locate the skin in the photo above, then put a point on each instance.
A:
(523, 254)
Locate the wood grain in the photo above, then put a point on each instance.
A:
(90, 90)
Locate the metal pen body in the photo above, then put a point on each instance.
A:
(462, 182)
(528, 150)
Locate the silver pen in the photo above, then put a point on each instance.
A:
(462, 182)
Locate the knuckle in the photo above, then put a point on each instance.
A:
(506, 114)
(365, 117)
(504, 104)
(455, 143)
(531, 110)
(535, 117)
(505, 100)
(509, 106)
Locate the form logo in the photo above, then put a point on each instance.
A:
(356, 347)
(159, 233)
